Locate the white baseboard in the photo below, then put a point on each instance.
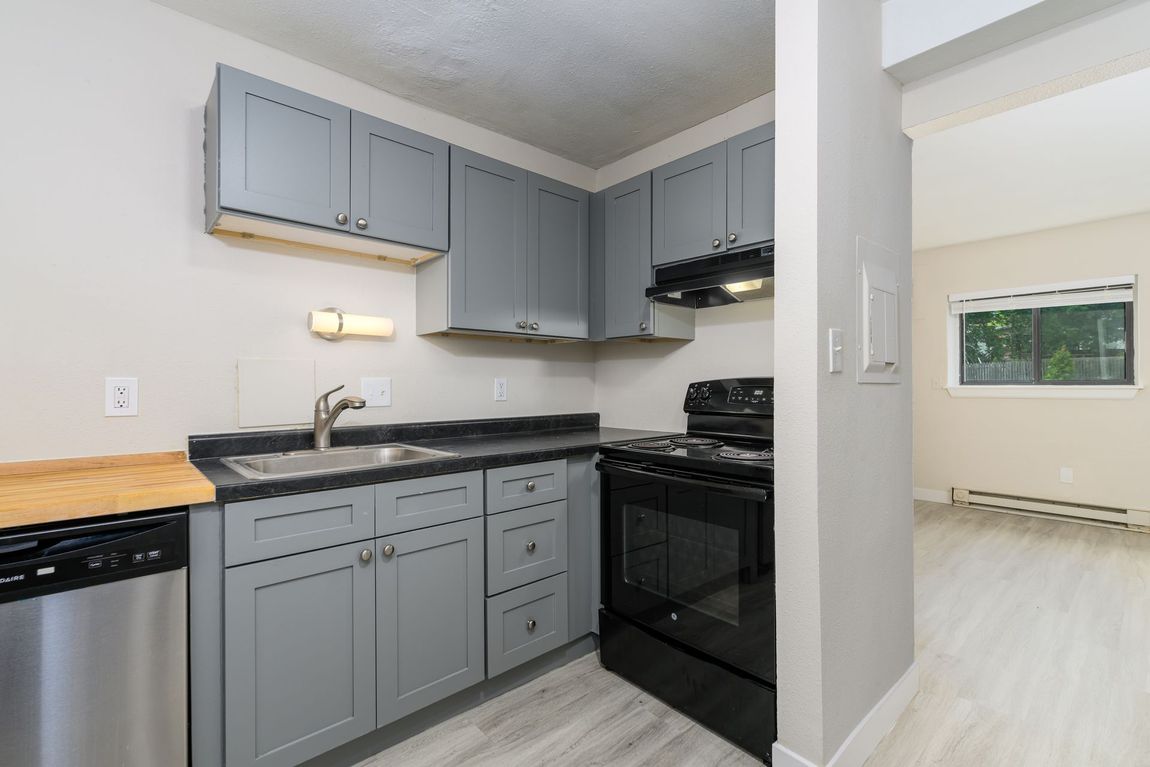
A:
(927, 494)
(865, 737)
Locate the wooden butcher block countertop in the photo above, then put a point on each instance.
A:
(35, 492)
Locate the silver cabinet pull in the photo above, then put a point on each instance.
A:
(522, 324)
(361, 223)
(388, 550)
(642, 326)
(531, 624)
(732, 237)
(365, 555)
(531, 545)
(716, 242)
(534, 325)
(341, 219)
(531, 486)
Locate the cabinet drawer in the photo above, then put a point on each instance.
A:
(514, 487)
(275, 527)
(415, 503)
(525, 623)
(525, 545)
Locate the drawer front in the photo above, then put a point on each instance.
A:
(525, 623)
(525, 545)
(515, 487)
(276, 527)
(412, 504)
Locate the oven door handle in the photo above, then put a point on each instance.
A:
(742, 492)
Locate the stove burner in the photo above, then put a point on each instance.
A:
(695, 442)
(746, 456)
(658, 444)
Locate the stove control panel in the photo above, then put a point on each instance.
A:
(731, 396)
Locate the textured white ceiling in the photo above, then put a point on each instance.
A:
(590, 80)
(1078, 157)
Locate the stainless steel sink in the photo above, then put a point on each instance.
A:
(306, 462)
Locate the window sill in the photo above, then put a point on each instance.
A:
(1044, 392)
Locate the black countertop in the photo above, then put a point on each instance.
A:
(480, 444)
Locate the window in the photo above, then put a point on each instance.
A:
(1080, 333)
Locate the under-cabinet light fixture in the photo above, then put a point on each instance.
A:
(333, 324)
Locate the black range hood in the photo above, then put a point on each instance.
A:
(726, 278)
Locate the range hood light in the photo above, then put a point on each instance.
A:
(743, 287)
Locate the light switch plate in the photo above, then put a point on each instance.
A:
(835, 350)
(377, 391)
(1066, 475)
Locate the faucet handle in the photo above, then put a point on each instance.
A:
(321, 404)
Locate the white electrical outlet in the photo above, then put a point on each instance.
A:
(121, 396)
(1066, 475)
(377, 391)
(500, 389)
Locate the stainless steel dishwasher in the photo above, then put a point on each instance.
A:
(93, 643)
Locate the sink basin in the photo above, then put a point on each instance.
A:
(305, 462)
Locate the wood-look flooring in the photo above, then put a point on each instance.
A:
(1033, 642)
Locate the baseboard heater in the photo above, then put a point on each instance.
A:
(1003, 502)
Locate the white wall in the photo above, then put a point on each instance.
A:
(843, 508)
(1018, 446)
(106, 270)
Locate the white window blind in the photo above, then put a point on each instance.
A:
(1105, 291)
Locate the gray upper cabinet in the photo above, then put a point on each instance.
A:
(557, 258)
(282, 153)
(300, 655)
(488, 258)
(751, 187)
(430, 605)
(399, 183)
(688, 206)
(624, 263)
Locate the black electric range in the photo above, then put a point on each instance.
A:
(688, 562)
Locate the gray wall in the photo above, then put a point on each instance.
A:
(844, 494)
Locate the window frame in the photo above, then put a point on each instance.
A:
(1036, 351)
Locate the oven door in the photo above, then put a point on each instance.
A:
(692, 558)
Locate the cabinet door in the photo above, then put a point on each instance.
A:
(627, 256)
(487, 264)
(398, 183)
(689, 206)
(430, 609)
(558, 258)
(283, 153)
(751, 187)
(299, 649)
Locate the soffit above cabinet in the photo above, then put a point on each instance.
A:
(591, 82)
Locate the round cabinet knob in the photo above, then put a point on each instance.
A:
(522, 324)
(388, 550)
(531, 624)
(640, 518)
(642, 326)
(531, 545)
(534, 325)
(531, 486)
(361, 223)
(365, 555)
(341, 219)
(732, 237)
(716, 242)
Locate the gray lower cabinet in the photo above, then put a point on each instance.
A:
(429, 589)
(558, 261)
(525, 545)
(622, 261)
(399, 183)
(299, 655)
(411, 504)
(528, 484)
(689, 206)
(751, 187)
(291, 524)
(525, 623)
(282, 153)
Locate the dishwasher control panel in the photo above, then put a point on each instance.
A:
(48, 559)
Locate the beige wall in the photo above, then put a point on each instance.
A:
(106, 270)
(1018, 446)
